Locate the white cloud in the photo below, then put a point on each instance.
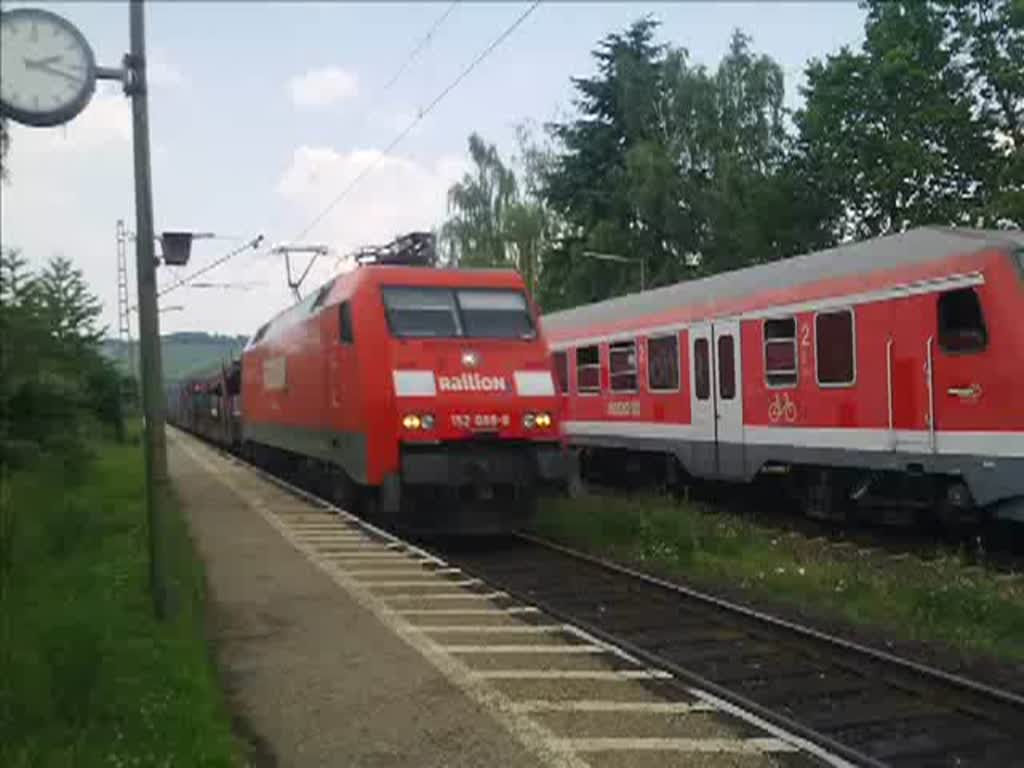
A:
(323, 87)
(68, 186)
(397, 196)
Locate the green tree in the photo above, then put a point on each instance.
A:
(684, 168)
(989, 36)
(474, 234)
(530, 223)
(494, 220)
(73, 311)
(606, 181)
(905, 131)
(54, 383)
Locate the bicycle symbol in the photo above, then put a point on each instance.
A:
(781, 408)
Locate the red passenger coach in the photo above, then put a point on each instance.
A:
(425, 392)
(885, 374)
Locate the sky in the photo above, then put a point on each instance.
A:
(261, 114)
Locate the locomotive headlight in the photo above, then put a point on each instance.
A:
(529, 420)
(543, 420)
(411, 421)
(427, 421)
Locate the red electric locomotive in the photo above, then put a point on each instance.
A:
(882, 375)
(423, 393)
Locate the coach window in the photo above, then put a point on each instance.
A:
(345, 323)
(701, 369)
(961, 324)
(561, 366)
(622, 366)
(780, 352)
(588, 369)
(726, 368)
(663, 363)
(835, 349)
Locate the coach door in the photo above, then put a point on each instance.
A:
(729, 397)
(716, 399)
(704, 455)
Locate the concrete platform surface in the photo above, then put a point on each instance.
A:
(316, 679)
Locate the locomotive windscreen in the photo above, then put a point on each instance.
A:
(466, 312)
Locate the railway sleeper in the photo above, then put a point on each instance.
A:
(764, 666)
(834, 714)
(773, 691)
(906, 738)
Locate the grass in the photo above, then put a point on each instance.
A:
(88, 676)
(940, 601)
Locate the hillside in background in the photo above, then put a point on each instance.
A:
(182, 353)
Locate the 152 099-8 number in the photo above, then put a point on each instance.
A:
(480, 420)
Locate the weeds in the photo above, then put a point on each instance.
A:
(909, 599)
(87, 676)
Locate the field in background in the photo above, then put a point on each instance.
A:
(181, 353)
(908, 599)
(87, 675)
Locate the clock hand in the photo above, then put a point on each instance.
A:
(59, 72)
(37, 63)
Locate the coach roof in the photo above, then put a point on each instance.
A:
(916, 246)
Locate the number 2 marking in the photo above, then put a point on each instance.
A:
(805, 335)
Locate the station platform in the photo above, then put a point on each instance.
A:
(339, 647)
(312, 677)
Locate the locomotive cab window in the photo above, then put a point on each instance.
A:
(588, 369)
(663, 363)
(622, 366)
(421, 312)
(834, 350)
(560, 363)
(431, 312)
(321, 295)
(345, 323)
(495, 314)
(961, 322)
(780, 352)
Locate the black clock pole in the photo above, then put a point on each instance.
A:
(155, 449)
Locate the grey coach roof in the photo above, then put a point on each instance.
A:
(912, 247)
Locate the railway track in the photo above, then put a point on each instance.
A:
(885, 709)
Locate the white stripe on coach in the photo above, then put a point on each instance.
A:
(649, 429)
(974, 443)
(414, 383)
(534, 383)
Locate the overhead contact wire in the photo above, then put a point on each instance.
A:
(420, 46)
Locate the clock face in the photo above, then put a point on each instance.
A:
(47, 69)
